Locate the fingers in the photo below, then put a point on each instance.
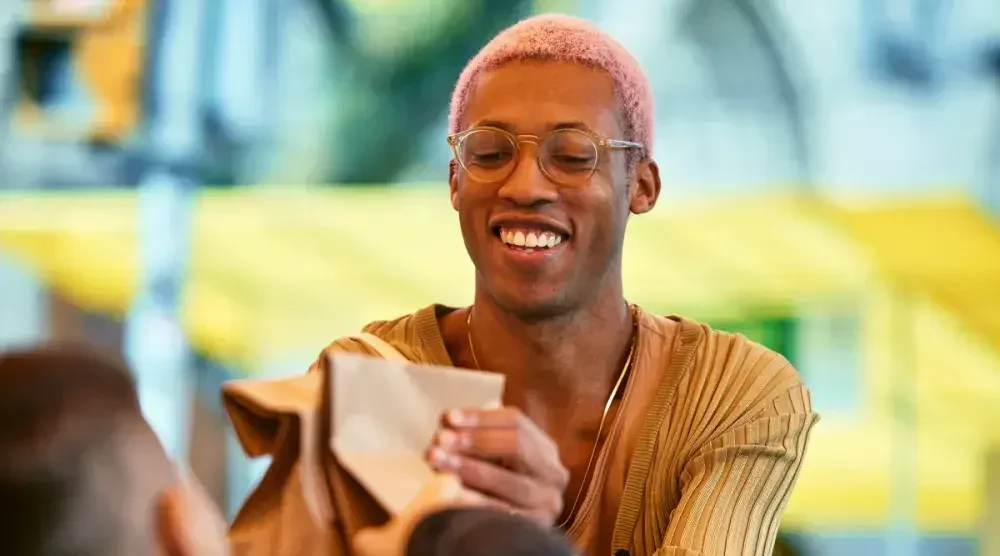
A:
(504, 417)
(502, 487)
(503, 436)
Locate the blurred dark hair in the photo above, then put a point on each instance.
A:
(60, 408)
(483, 532)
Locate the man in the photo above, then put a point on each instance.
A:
(82, 474)
(630, 433)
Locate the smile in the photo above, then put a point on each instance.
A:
(529, 240)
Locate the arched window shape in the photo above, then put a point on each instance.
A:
(728, 109)
(991, 183)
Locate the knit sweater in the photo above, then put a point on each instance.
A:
(703, 453)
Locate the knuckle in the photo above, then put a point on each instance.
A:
(539, 517)
(515, 416)
(522, 490)
(555, 504)
(520, 440)
(473, 472)
(562, 477)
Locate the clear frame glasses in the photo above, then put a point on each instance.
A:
(568, 157)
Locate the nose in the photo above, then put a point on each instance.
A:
(527, 185)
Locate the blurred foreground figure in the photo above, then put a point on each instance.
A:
(439, 522)
(82, 474)
(628, 432)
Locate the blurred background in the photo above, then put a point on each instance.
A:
(220, 188)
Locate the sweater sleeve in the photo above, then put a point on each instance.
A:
(736, 486)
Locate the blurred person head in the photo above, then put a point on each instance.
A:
(552, 127)
(483, 532)
(81, 472)
(444, 519)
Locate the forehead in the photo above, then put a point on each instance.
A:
(534, 96)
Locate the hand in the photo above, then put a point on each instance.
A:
(391, 539)
(505, 457)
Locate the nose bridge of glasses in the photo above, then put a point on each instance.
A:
(530, 184)
(532, 139)
(527, 140)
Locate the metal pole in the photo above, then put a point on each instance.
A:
(903, 537)
(241, 86)
(989, 543)
(155, 343)
(9, 85)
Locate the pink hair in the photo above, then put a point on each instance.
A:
(554, 37)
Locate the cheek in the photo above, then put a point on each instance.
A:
(598, 214)
(471, 202)
(611, 212)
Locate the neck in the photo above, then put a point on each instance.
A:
(568, 355)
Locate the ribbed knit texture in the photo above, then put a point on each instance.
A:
(720, 429)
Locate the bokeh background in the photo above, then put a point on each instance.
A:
(219, 188)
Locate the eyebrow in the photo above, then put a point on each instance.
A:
(551, 127)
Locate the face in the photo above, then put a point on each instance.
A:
(588, 220)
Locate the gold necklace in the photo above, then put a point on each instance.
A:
(604, 415)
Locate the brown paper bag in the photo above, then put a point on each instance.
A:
(347, 446)
(385, 414)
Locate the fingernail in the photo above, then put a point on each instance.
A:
(443, 461)
(447, 439)
(458, 417)
(437, 457)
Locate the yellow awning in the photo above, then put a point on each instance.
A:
(946, 246)
(274, 272)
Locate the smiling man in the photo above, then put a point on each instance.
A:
(629, 432)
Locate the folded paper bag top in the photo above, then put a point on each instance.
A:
(385, 414)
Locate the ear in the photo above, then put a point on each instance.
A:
(453, 182)
(171, 536)
(188, 523)
(645, 188)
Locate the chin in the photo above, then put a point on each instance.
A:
(529, 304)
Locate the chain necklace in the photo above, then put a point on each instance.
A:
(604, 415)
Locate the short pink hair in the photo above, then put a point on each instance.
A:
(555, 37)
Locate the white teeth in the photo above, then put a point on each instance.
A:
(530, 240)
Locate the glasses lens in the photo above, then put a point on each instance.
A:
(488, 155)
(568, 156)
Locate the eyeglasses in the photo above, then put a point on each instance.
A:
(568, 157)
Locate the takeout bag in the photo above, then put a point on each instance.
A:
(306, 504)
(347, 444)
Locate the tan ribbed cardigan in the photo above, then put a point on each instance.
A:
(700, 460)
